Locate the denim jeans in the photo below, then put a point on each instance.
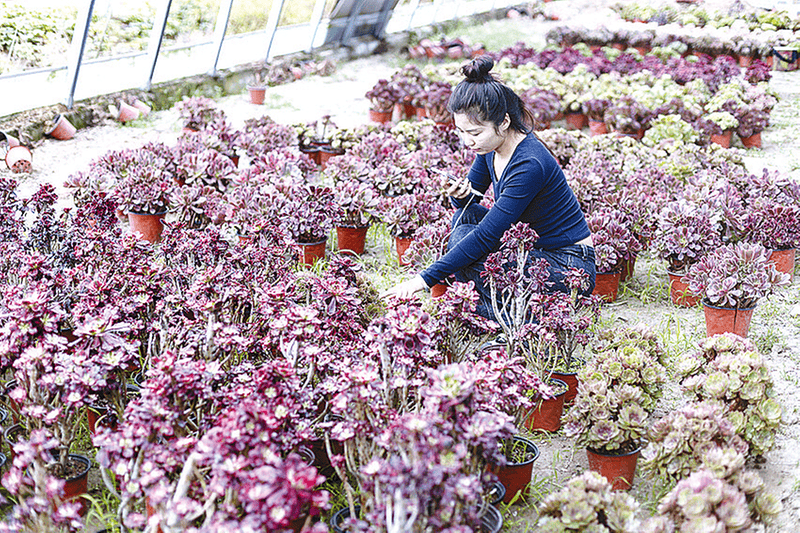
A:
(559, 260)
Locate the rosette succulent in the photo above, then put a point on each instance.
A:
(587, 503)
(729, 369)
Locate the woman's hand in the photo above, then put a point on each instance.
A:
(459, 188)
(407, 289)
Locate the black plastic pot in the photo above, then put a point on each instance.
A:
(496, 493)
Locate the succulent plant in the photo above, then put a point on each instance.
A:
(587, 503)
(729, 369)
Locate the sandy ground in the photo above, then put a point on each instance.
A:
(776, 323)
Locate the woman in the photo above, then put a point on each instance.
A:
(528, 184)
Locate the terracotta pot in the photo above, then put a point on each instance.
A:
(745, 61)
(8, 140)
(607, 285)
(323, 154)
(438, 290)
(617, 469)
(146, 226)
(420, 112)
(312, 251)
(142, 107)
(351, 239)
(597, 127)
(19, 159)
(754, 141)
(723, 139)
(619, 46)
(380, 116)
(63, 129)
(517, 476)
(127, 112)
(402, 244)
(784, 261)
(727, 320)
(643, 50)
(257, 94)
(571, 379)
(576, 121)
(679, 292)
(546, 416)
(405, 110)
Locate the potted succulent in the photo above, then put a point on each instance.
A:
(718, 502)
(197, 112)
(729, 369)
(143, 190)
(614, 243)
(406, 213)
(308, 213)
(435, 98)
(627, 117)
(544, 104)
(730, 280)
(588, 503)
(669, 132)
(382, 97)
(428, 245)
(595, 111)
(725, 124)
(316, 139)
(257, 89)
(685, 232)
(752, 122)
(618, 390)
(675, 448)
(358, 206)
(410, 83)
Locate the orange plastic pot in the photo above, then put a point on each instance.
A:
(571, 379)
(576, 121)
(19, 159)
(516, 477)
(63, 129)
(147, 226)
(142, 107)
(723, 139)
(607, 285)
(546, 416)
(753, 141)
(727, 320)
(351, 239)
(257, 94)
(679, 291)
(617, 469)
(402, 244)
(597, 127)
(380, 116)
(784, 261)
(312, 251)
(438, 290)
(127, 112)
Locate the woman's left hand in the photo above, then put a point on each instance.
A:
(407, 289)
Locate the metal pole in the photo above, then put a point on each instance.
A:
(351, 21)
(156, 39)
(76, 49)
(272, 24)
(436, 5)
(380, 25)
(316, 19)
(411, 17)
(223, 17)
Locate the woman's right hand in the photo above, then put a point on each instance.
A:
(459, 188)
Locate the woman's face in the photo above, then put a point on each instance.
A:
(482, 137)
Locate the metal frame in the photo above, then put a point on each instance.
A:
(272, 25)
(156, 40)
(76, 49)
(223, 18)
(351, 21)
(316, 19)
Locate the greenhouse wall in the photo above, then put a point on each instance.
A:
(58, 84)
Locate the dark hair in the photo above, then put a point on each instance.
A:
(482, 97)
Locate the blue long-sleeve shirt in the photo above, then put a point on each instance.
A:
(531, 189)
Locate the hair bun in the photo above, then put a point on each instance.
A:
(477, 70)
